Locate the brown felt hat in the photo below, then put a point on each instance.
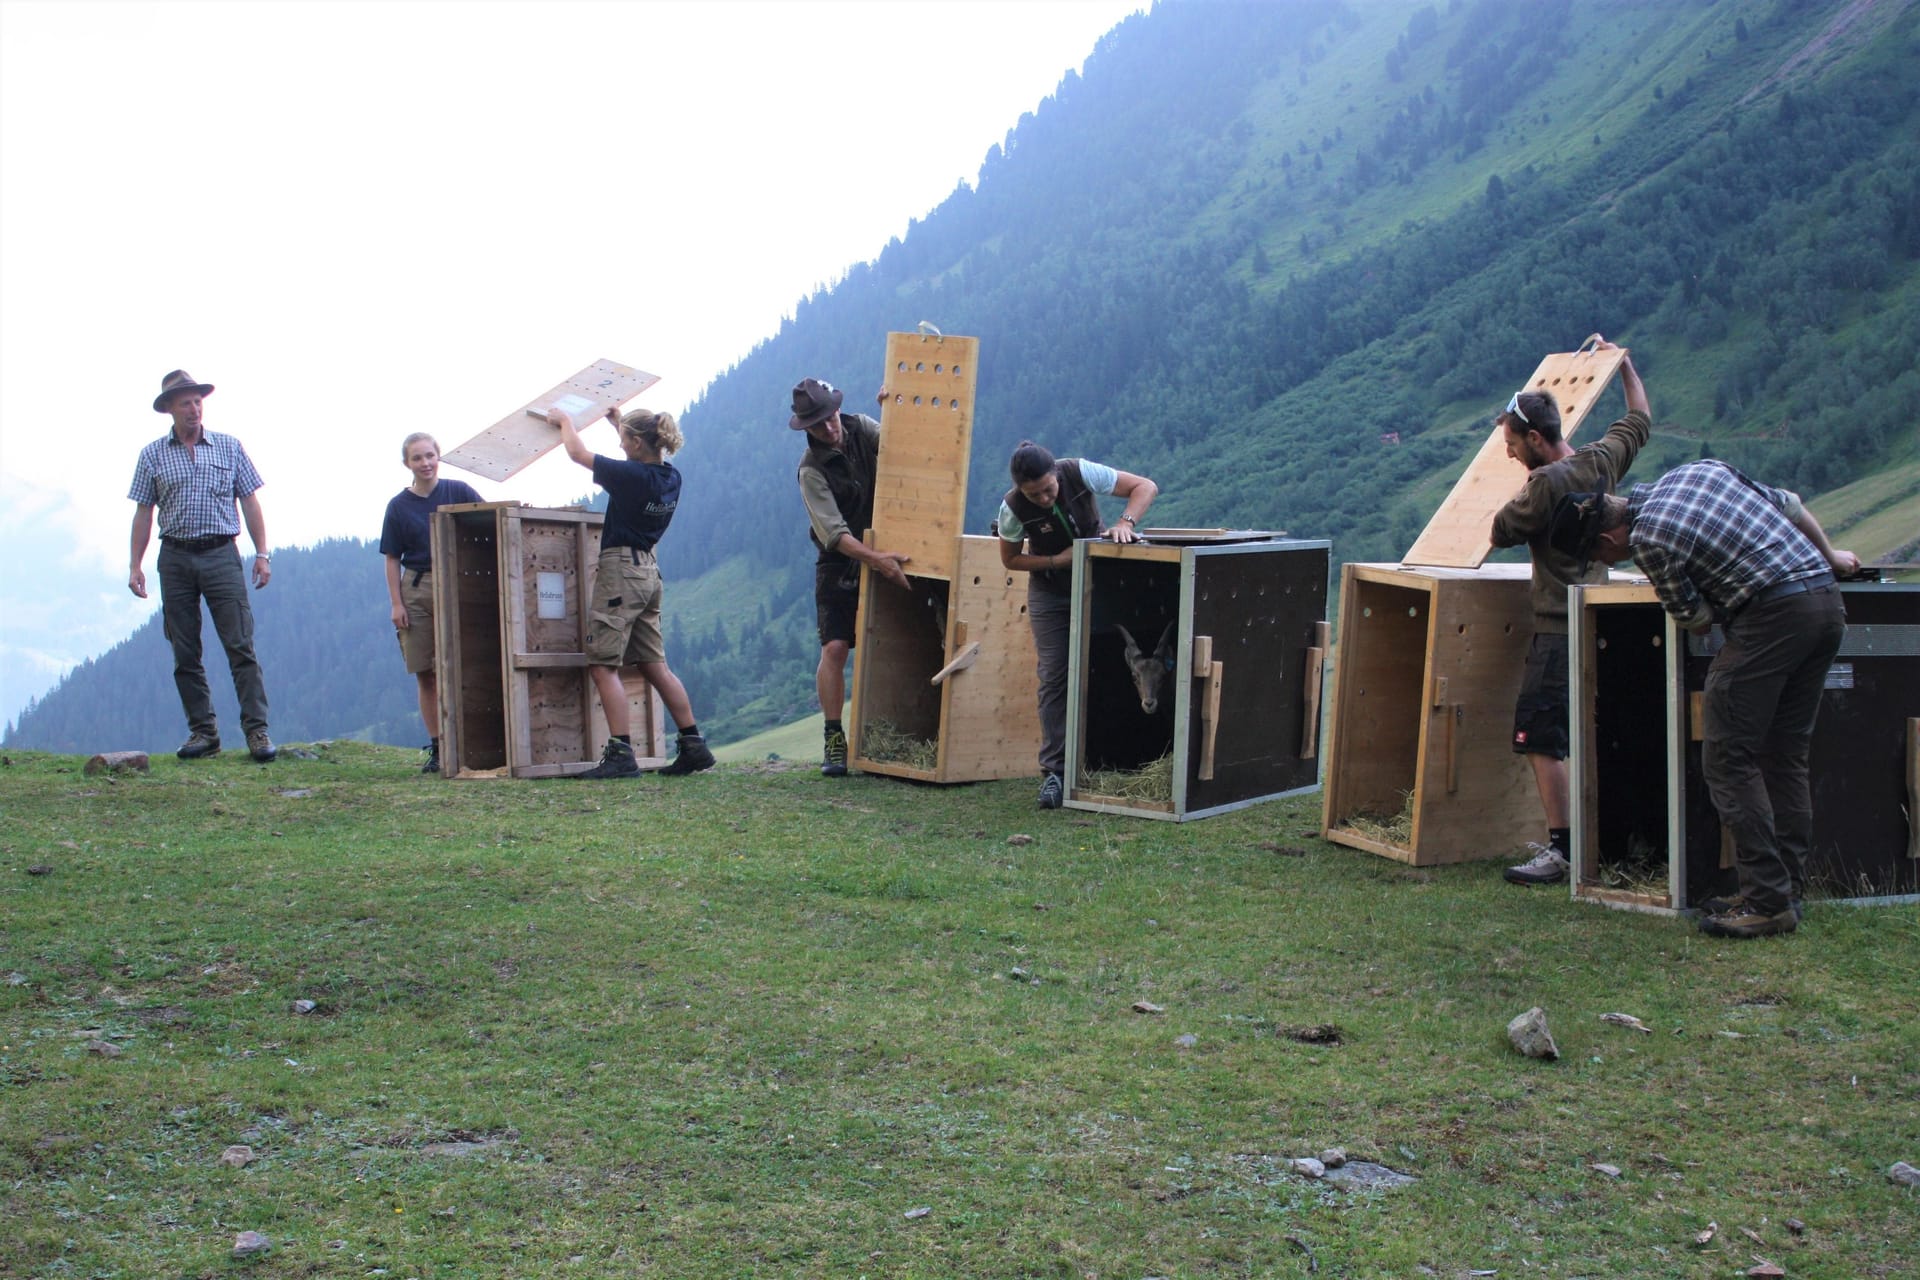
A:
(178, 380)
(814, 402)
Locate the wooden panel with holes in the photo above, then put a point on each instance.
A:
(1456, 536)
(526, 435)
(926, 435)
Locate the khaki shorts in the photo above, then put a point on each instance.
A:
(416, 642)
(624, 625)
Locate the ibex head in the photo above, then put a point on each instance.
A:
(1149, 669)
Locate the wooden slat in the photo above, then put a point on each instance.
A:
(1310, 701)
(522, 438)
(1456, 536)
(1210, 719)
(1913, 788)
(920, 491)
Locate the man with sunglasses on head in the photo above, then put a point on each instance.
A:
(1531, 424)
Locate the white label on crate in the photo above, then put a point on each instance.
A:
(553, 595)
(1840, 676)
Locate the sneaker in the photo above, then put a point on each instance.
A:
(199, 746)
(1052, 793)
(260, 746)
(692, 757)
(833, 761)
(615, 762)
(1547, 866)
(1738, 902)
(432, 764)
(1744, 921)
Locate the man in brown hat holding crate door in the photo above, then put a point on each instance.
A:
(836, 482)
(196, 479)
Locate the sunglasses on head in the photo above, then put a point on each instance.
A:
(1513, 407)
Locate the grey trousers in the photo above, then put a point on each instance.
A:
(1762, 697)
(186, 577)
(1050, 614)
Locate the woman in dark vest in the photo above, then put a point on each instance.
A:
(1053, 502)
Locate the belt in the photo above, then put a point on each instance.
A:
(419, 574)
(1798, 586)
(200, 544)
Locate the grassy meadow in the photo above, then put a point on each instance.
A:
(756, 1023)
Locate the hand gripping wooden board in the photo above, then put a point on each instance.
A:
(524, 436)
(1456, 537)
(926, 433)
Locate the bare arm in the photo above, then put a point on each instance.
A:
(257, 530)
(1139, 493)
(142, 535)
(1013, 555)
(885, 563)
(570, 439)
(400, 618)
(1630, 384)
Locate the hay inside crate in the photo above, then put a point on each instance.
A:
(886, 742)
(1391, 828)
(1151, 782)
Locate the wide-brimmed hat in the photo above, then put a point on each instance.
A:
(814, 402)
(1575, 526)
(178, 380)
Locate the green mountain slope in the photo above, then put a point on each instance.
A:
(1251, 244)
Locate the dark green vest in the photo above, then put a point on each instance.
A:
(849, 471)
(1075, 513)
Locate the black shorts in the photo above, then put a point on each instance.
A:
(1540, 714)
(836, 599)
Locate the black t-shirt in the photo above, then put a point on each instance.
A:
(641, 497)
(408, 529)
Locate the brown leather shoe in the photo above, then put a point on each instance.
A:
(260, 746)
(199, 746)
(1744, 921)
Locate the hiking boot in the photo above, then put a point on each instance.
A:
(615, 762)
(260, 746)
(693, 756)
(1547, 866)
(432, 764)
(1052, 793)
(1745, 921)
(833, 760)
(1738, 902)
(199, 746)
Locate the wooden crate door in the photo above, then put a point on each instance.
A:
(525, 436)
(1456, 537)
(920, 496)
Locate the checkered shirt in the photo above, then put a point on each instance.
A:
(195, 489)
(1709, 540)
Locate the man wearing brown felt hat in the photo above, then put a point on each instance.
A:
(202, 483)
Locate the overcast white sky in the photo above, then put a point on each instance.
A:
(363, 219)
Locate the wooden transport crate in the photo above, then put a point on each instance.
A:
(1645, 834)
(1237, 720)
(1420, 764)
(944, 674)
(511, 585)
